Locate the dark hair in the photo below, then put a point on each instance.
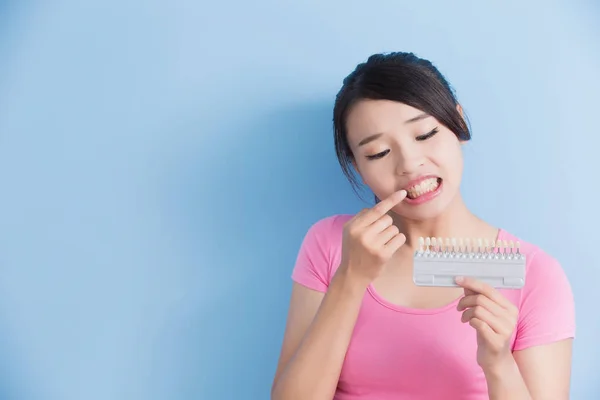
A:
(401, 77)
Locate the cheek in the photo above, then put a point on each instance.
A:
(450, 158)
(378, 178)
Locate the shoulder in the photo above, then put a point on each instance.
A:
(541, 266)
(330, 227)
(320, 252)
(325, 235)
(546, 304)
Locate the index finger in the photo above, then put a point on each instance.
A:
(483, 288)
(381, 208)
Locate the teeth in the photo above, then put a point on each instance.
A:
(469, 248)
(426, 186)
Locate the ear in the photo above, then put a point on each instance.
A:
(462, 114)
(460, 110)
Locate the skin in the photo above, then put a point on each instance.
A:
(376, 249)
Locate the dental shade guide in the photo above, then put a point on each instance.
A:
(438, 261)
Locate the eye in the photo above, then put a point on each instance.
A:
(427, 135)
(378, 155)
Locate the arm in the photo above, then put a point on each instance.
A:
(320, 327)
(539, 365)
(546, 369)
(537, 373)
(316, 339)
(546, 329)
(505, 382)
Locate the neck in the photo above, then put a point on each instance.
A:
(455, 221)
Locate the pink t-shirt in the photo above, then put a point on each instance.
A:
(402, 353)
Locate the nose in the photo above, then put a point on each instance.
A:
(410, 161)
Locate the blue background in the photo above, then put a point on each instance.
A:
(160, 162)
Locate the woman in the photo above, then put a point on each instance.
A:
(358, 327)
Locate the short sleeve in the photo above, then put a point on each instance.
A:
(313, 265)
(547, 309)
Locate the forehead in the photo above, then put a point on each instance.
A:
(368, 117)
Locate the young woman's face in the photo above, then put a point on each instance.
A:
(396, 146)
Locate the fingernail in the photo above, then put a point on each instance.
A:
(459, 279)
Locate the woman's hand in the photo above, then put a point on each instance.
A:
(370, 239)
(493, 317)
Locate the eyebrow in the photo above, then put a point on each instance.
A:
(419, 117)
(369, 139)
(376, 136)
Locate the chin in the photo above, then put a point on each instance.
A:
(422, 214)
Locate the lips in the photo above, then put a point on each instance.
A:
(422, 186)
